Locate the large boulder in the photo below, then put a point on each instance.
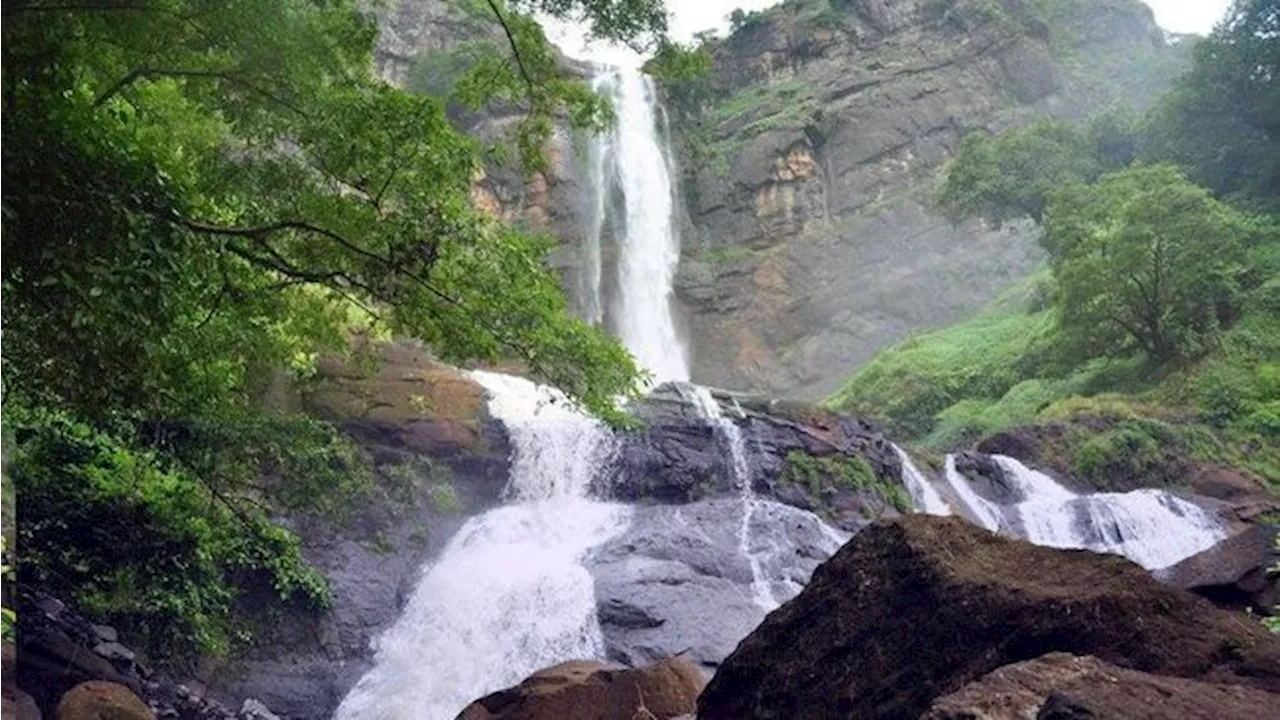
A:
(588, 690)
(1235, 573)
(1059, 686)
(915, 608)
(101, 700)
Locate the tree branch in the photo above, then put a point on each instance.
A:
(225, 75)
(511, 40)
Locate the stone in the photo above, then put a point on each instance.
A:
(114, 651)
(253, 709)
(1235, 573)
(1060, 686)
(101, 700)
(106, 633)
(914, 608)
(590, 690)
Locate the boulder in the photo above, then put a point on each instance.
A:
(915, 608)
(101, 700)
(1235, 573)
(589, 690)
(1059, 686)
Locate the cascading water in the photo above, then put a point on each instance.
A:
(732, 434)
(632, 163)
(1153, 528)
(923, 496)
(508, 594)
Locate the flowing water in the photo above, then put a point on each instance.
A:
(923, 495)
(1154, 528)
(509, 594)
(631, 164)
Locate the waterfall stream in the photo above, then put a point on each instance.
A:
(508, 594)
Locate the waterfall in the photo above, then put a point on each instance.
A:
(732, 434)
(1153, 528)
(923, 496)
(631, 163)
(508, 594)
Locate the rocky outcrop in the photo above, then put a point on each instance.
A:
(809, 169)
(588, 690)
(437, 458)
(913, 609)
(68, 668)
(1236, 573)
(1059, 686)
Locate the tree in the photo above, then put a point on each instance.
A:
(1144, 260)
(1221, 120)
(1010, 176)
(193, 192)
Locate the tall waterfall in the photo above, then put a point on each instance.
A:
(508, 594)
(631, 171)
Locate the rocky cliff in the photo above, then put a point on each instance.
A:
(810, 241)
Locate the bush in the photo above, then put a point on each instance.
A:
(1127, 455)
(153, 550)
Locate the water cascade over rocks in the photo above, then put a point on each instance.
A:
(923, 495)
(509, 594)
(1153, 528)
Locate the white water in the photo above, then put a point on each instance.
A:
(926, 499)
(1153, 528)
(509, 594)
(707, 405)
(633, 161)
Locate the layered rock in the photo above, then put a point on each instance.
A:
(812, 242)
(1059, 686)
(913, 609)
(589, 690)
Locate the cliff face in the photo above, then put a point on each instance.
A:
(810, 242)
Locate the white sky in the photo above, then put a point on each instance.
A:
(1183, 16)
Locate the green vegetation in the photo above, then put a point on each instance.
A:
(196, 199)
(1157, 322)
(821, 475)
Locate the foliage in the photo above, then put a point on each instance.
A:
(1144, 260)
(1011, 175)
(145, 546)
(1221, 120)
(821, 474)
(686, 77)
(8, 618)
(1132, 449)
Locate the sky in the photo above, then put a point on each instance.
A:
(1182, 16)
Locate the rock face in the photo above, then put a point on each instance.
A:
(585, 690)
(1235, 573)
(437, 457)
(1059, 686)
(808, 179)
(915, 608)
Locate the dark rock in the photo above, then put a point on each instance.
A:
(588, 690)
(1235, 573)
(915, 608)
(106, 633)
(1060, 686)
(987, 478)
(676, 581)
(114, 651)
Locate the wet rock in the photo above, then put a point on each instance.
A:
(1235, 573)
(99, 700)
(106, 633)
(677, 581)
(914, 608)
(114, 651)
(588, 690)
(1059, 686)
(253, 709)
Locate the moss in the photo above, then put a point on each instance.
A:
(727, 254)
(444, 498)
(825, 474)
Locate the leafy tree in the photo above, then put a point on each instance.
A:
(1221, 120)
(1144, 260)
(1010, 176)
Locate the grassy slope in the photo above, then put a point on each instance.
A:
(947, 388)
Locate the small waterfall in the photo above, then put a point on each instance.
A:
(508, 595)
(632, 163)
(1153, 528)
(923, 496)
(732, 434)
